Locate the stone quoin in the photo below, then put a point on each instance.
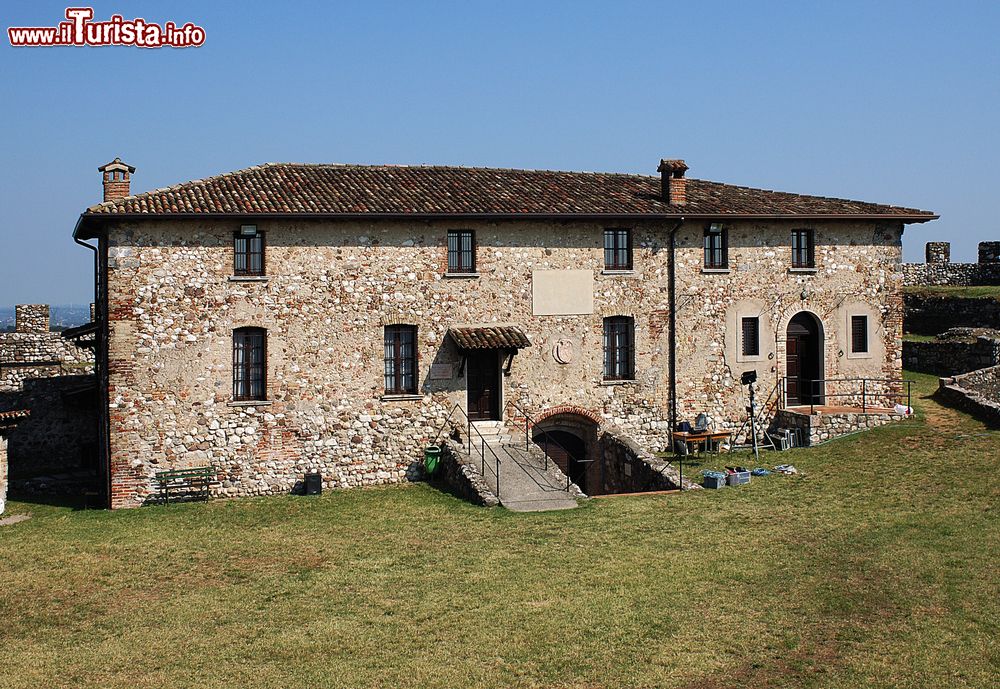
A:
(288, 318)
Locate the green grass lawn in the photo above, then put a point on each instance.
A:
(877, 567)
(977, 292)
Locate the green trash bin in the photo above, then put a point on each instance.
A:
(432, 459)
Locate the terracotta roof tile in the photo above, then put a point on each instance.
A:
(416, 190)
(489, 337)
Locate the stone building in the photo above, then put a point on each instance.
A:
(289, 318)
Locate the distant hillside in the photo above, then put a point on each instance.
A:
(61, 316)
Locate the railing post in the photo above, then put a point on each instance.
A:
(482, 448)
(497, 465)
(908, 404)
(468, 431)
(525, 432)
(864, 390)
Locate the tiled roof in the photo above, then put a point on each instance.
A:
(414, 190)
(9, 418)
(492, 337)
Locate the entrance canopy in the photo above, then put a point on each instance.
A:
(505, 337)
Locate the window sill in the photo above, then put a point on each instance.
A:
(402, 398)
(806, 271)
(617, 382)
(859, 355)
(249, 403)
(452, 276)
(614, 271)
(720, 271)
(248, 278)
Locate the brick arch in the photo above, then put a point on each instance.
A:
(566, 409)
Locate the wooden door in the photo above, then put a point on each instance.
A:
(483, 375)
(793, 357)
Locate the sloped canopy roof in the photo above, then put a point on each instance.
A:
(489, 337)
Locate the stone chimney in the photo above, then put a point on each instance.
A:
(117, 178)
(989, 252)
(673, 184)
(937, 252)
(31, 318)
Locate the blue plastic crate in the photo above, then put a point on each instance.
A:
(713, 482)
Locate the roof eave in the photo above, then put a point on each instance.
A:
(88, 219)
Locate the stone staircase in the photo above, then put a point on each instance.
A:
(528, 481)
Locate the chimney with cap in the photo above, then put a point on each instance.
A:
(672, 181)
(117, 176)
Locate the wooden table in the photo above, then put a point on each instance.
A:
(707, 440)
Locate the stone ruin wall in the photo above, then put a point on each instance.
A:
(332, 287)
(37, 368)
(977, 392)
(939, 270)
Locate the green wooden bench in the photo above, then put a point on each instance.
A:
(186, 484)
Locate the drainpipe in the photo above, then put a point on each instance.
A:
(672, 292)
(100, 370)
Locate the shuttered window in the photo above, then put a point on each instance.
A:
(859, 334)
(461, 251)
(249, 364)
(803, 252)
(619, 348)
(751, 337)
(618, 249)
(248, 251)
(400, 359)
(716, 247)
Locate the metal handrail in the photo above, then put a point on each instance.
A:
(529, 423)
(482, 441)
(865, 394)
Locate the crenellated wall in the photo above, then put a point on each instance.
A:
(938, 269)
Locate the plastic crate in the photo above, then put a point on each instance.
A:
(739, 478)
(713, 482)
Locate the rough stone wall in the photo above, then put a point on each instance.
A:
(332, 287)
(31, 318)
(948, 357)
(3, 474)
(41, 371)
(819, 428)
(857, 273)
(627, 468)
(931, 314)
(939, 270)
(464, 476)
(977, 392)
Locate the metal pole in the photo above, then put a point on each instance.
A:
(525, 432)
(482, 448)
(498, 477)
(864, 390)
(753, 425)
(468, 431)
(908, 396)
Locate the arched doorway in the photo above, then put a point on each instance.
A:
(569, 453)
(804, 360)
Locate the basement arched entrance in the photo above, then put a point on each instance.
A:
(804, 360)
(570, 441)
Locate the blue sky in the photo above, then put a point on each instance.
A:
(894, 102)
